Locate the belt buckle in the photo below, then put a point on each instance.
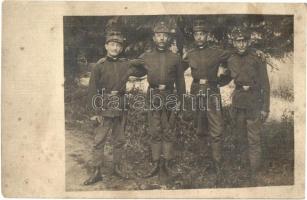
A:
(246, 87)
(162, 87)
(203, 81)
(114, 92)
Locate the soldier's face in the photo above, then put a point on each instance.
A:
(240, 45)
(200, 37)
(114, 48)
(161, 39)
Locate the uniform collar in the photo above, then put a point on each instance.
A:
(160, 50)
(243, 54)
(202, 46)
(112, 59)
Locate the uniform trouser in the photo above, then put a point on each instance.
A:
(215, 125)
(115, 126)
(162, 134)
(248, 129)
(210, 120)
(201, 123)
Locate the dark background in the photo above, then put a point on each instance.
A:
(84, 36)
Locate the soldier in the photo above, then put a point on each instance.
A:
(164, 70)
(109, 78)
(204, 62)
(251, 97)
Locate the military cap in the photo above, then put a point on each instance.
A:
(161, 27)
(240, 33)
(115, 36)
(200, 25)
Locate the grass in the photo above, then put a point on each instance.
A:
(193, 167)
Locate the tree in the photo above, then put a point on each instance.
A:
(84, 36)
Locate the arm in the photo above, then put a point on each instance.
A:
(224, 55)
(93, 85)
(225, 77)
(137, 68)
(185, 61)
(180, 81)
(264, 86)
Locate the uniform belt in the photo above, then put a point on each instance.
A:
(243, 87)
(115, 93)
(160, 87)
(205, 82)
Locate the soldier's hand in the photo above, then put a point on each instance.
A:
(222, 71)
(261, 54)
(90, 110)
(87, 107)
(93, 118)
(264, 115)
(96, 118)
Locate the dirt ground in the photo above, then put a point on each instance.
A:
(192, 167)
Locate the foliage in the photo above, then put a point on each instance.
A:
(193, 167)
(286, 93)
(84, 36)
(83, 44)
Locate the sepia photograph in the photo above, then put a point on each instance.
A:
(153, 100)
(178, 101)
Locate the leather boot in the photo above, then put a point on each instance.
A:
(155, 169)
(167, 167)
(156, 149)
(163, 172)
(117, 172)
(217, 153)
(219, 174)
(217, 157)
(167, 150)
(94, 178)
(253, 182)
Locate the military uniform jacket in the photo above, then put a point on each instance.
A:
(205, 61)
(112, 75)
(249, 70)
(164, 68)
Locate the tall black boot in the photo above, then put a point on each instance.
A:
(217, 157)
(253, 181)
(254, 168)
(94, 178)
(155, 169)
(163, 172)
(219, 174)
(156, 148)
(117, 172)
(168, 166)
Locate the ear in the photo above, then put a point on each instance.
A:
(105, 45)
(122, 48)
